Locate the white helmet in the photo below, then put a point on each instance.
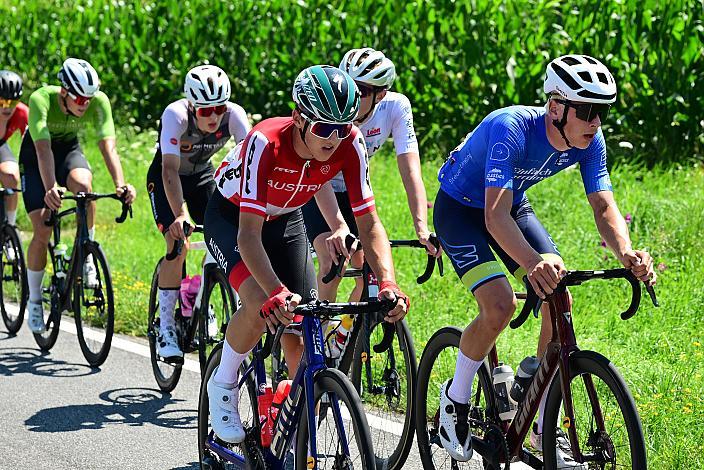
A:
(580, 78)
(206, 85)
(370, 67)
(77, 76)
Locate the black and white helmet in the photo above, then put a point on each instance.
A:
(580, 78)
(206, 85)
(370, 67)
(10, 85)
(77, 76)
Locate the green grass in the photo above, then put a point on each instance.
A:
(659, 352)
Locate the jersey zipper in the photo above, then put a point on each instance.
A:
(304, 171)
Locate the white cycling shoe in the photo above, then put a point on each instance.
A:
(167, 344)
(564, 453)
(35, 317)
(224, 415)
(90, 273)
(454, 432)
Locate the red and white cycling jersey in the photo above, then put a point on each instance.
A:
(265, 176)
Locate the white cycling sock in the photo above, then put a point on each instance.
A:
(167, 302)
(229, 365)
(11, 217)
(34, 281)
(91, 233)
(461, 387)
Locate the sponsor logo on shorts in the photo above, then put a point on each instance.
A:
(150, 187)
(462, 255)
(217, 254)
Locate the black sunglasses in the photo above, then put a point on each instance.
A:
(366, 90)
(588, 111)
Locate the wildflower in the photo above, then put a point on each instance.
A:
(697, 344)
(628, 218)
(662, 267)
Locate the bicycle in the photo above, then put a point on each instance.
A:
(589, 387)
(93, 307)
(13, 283)
(382, 364)
(315, 396)
(198, 332)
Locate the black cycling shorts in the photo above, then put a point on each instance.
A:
(284, 240)
(67, 156)
(464, 237)
(315, 222)
(197, 189)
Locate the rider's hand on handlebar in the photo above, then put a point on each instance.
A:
(52, 198)
(128, 191)
(389, 290)
(641, 265)
(336, 246)
(424, 239)
(176, 228)
(279, 308)
(545, 275)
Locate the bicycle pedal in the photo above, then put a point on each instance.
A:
(175, 361)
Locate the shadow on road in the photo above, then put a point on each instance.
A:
(14, 361)
(188, 466)
(124, 406)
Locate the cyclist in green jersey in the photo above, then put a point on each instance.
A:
(51, 158)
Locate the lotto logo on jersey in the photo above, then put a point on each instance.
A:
(373, 132)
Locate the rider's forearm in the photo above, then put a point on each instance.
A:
(45, 161)
(173, 190)
(256, 259)
(112, 160)
(505, 231)
(377, 250)
(613, 228)
(327, 203)
(411, 175)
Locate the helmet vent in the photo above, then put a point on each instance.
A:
(602, 77)
(569, 60)
(565, 77)
(590, 60)
(586, 76)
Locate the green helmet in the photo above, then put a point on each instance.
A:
(326, 93)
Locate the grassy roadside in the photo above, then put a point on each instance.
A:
(659, 352)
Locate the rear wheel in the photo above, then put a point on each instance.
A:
(13, 284)
(217, 306)
(52, 286)
(606, 420)
(94, 306)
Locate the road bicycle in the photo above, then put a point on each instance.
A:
(203, 328)
(13, 283)
(599, 417)
(67, 290)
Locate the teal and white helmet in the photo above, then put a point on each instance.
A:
(326, 93)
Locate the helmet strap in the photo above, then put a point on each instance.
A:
(63, 98)
(371, 110)
(561, 125)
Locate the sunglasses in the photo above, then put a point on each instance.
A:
(207, 112)
(5, 103)
(324, 130)
(366, 90)
(588, 111)
(79, 100)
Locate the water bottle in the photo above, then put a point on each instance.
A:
(266, 424)
(339, 340)
(524, 376)
(503, 380)
(282, 391)
(61, 258)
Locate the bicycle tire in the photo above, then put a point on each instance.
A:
(391, 376)
(18, 271)
(447, 338)
(166, 382)
(85, 316)
(335, 382)
(51, 298)
(594, 365)
(223, 312)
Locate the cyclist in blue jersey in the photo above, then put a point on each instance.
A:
(482, 206)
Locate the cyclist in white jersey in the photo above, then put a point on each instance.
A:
(382, 114)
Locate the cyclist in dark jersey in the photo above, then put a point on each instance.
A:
(180, 178)
(254, 226)
(51, 157)
(482, 209)
(13, 118)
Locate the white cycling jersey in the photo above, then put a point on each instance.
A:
(392, 117)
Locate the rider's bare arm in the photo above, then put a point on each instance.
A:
(409, 168)
(45, 159)
(327, 203)
(376, 246)
(610, 222)
(172, 184)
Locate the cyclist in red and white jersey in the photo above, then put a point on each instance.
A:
(254, 226)
(13, 118)
(382, 114)
(180, 178)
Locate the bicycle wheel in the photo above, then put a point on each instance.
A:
(606, 420)
(436, 366)
(52, 286)
(385, 372)
(216, 308)
(166, 374)
(94, 307)
(13, 284)
(332, 387)
(251, 447)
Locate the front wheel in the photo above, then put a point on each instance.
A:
(13, 284)
(94, 305)
(216, 308)
(606, 421)
(342, 436)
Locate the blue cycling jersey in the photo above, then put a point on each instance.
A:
(510, 149)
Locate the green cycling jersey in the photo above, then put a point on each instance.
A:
(48, 122)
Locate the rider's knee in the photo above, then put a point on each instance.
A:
(497, 312)
(10, 180)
